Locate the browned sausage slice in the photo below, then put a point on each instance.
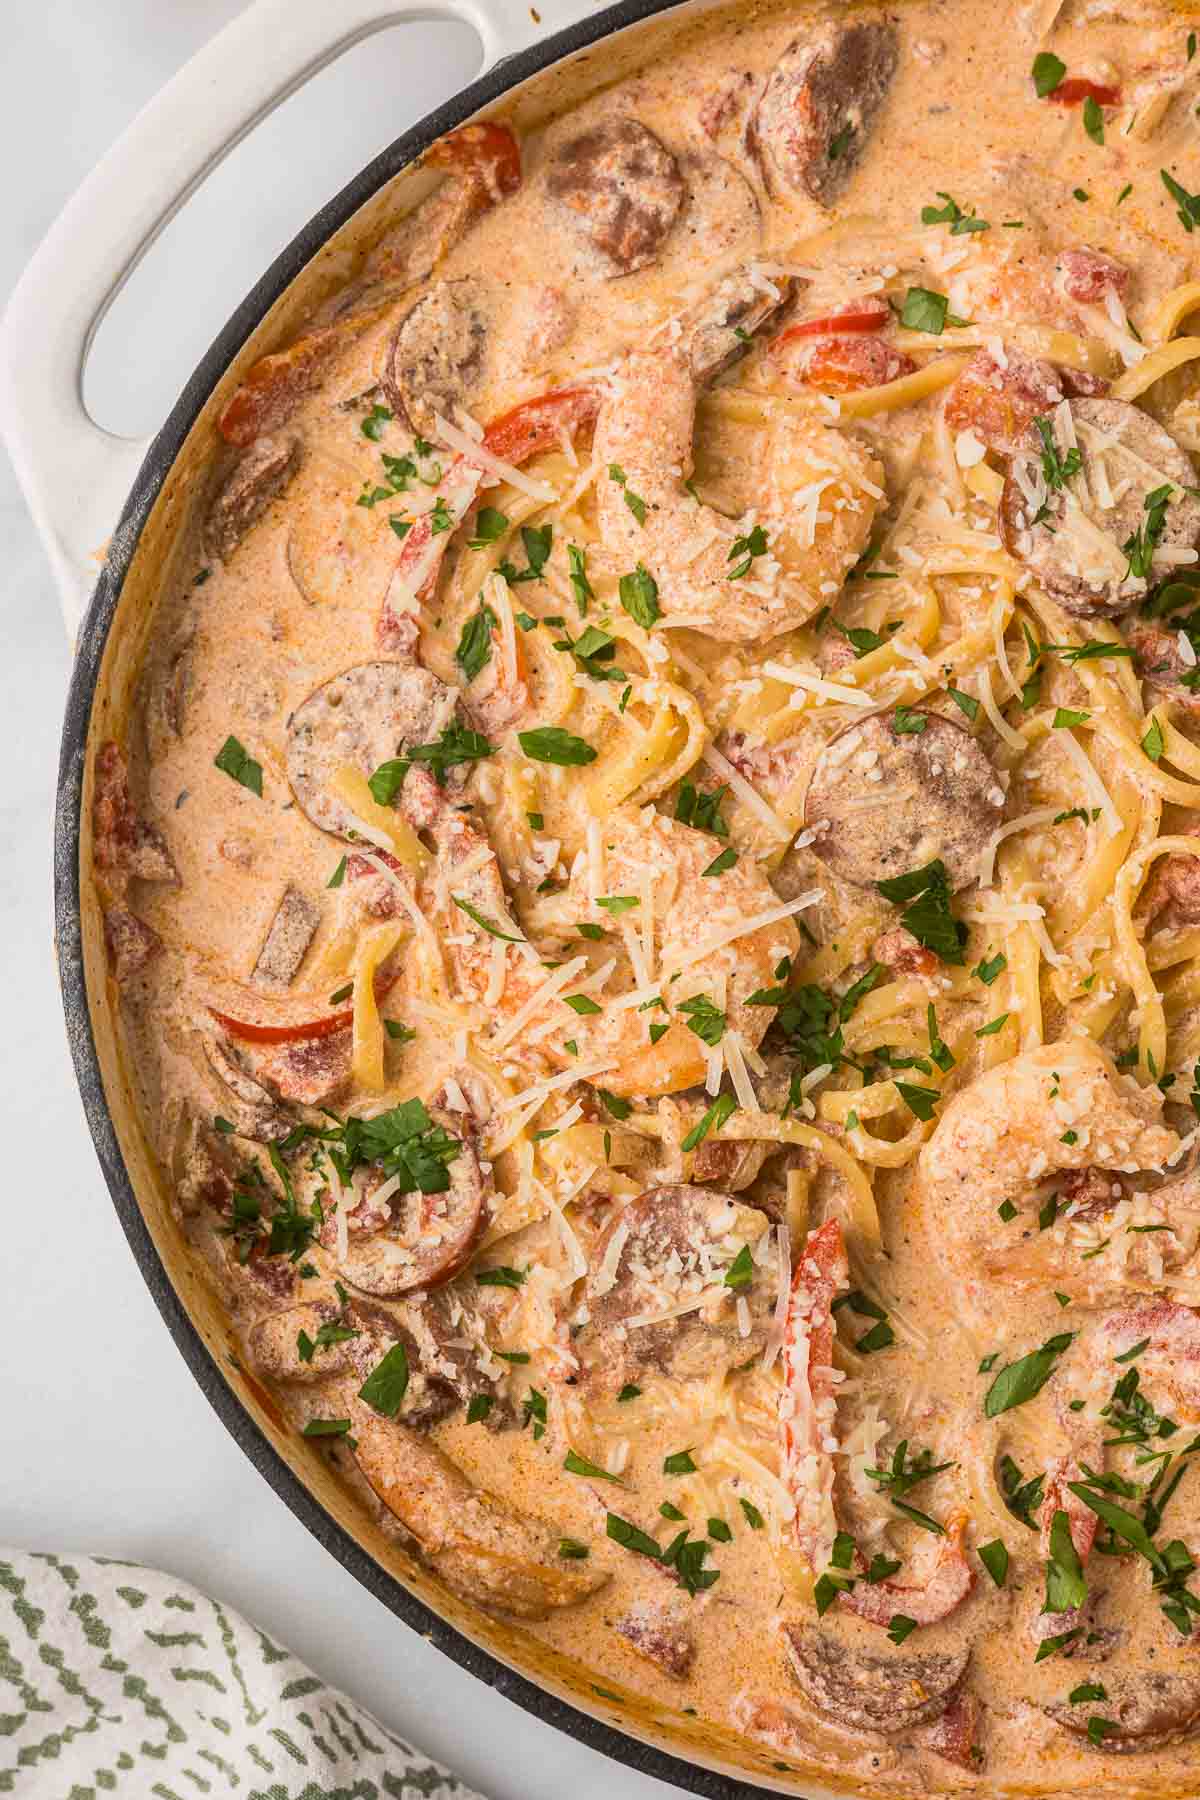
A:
(820, 103)
(718, 331)
(129, 942)
(884, 801)
(868, 1692)
(620, 190)
(1149, 1710)
(287, 1345)
(1073, 535)
(662, 1633)
(260, 475)
(421, 1240)
(286, 943)
(252, 1110)
(670, 1246)
(1159, 659)
(124, 844)
(360, 719)
(435, 359)
(275, 1343)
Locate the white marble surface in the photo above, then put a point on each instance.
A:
(108, 1444)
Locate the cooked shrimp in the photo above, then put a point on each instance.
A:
(820, 494)
(685, 956)
(680, 949)
(493, 1555)
(1018, 1136)
(808, 1438)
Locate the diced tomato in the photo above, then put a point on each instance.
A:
(868, 314)
(998, 402)
(1089, 276)
(490, 151)
(252, 1033)
(1076, 88)
(297, 1031)
(843, 365)
(275, 385)
(488, 159)
(537, 425)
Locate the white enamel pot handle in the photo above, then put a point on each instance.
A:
(74, 475)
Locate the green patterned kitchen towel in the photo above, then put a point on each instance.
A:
(116, 1679)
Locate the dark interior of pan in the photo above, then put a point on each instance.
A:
(107, 653)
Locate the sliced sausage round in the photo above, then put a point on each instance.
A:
(899, 790)
(253, 1111)
(718, 330)
(421, 1240)
(261, 474)
(668, 1245)
(1087, 537)
(360, 719)
(721, 214)
(871, 1693)
(620, 190)
(436, 355)
(1159, 658)
(1148, 1709)
(820, 104)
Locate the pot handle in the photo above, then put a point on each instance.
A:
(76, 476)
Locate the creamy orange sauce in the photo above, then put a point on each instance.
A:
(883, 440)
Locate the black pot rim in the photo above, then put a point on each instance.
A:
(90, 647)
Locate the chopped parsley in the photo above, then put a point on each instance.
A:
(925, 310)
(722, 1108)
(457, 744)
(639, 596)
(701, 809)
(575, 1464)
(1140, 546)
(740, 1272)
(704, 1018)
(1020, 1381)
(486, 924)
(490, 527)
(234, 760)
(1066, 1588)
(503, 1276)
(927, 915)
(1048, 71)
(372, 426)
(1154, 743)
(474, 650)
(994, 1557)
(952, 214)
(326, 1428)
(1188, 204)
(551, 744)
(1056, 469)
(386, 1385)
(577, 567)
(722, 862)
(744, 550)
